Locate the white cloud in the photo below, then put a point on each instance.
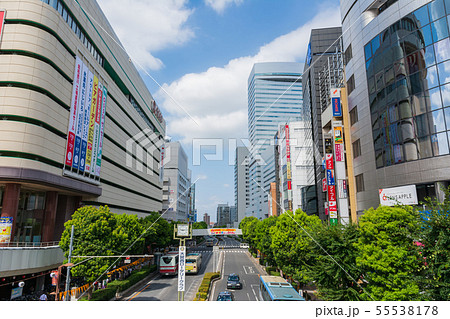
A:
(145, 27)
(217, 98)
(220, 5)
(226, 185)
(200, 177)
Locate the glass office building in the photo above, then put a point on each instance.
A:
(398, 81)
(274, 96)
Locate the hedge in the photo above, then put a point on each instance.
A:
(205, 285)
(121, 285)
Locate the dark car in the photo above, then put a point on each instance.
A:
(225, 296)
(233, 282)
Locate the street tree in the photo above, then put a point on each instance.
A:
(158, 231)
(263, 238)
(387, 255)
(248, 226)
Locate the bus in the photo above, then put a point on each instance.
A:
(193, 263)
(168, 264)
(273, 288)
(209, 242)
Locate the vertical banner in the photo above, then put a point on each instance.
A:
(329, 161)
(6, 224)
(80, 115)
(339, 153)
(86, 117)
(181, 268)
(338, 137)
(2, 22)
(90, 143)
(336, 102)
(98, 115)
(73, 112)
(102, 132)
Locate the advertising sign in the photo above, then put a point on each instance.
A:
(339, 152)
(6, 224)
(338, 137)
(2, 22)
(80, 116)
(326, 208)
(86, 117)
(332, 209)
(328, 145)
(331, 193)
(102, 133)
(330, 177)
(181, 268)
(336, 103)
(90, 143)
(222, 231)
(329, 161)
(324, 185)
(403, 195)
(342, 186)
(98, 114)
(73, 112)
(16, 292)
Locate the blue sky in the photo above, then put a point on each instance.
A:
(199, 55)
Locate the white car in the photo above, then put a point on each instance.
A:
(243, 245)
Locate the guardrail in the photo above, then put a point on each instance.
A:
(29, 244)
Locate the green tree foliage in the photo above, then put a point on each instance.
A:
(386, 253)
(248, 226)
(263, 238)
(291, 243)
(435, 238)
(159, 232)
(335, 273)
(199, 225)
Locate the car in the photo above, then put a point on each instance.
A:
(243, 245)
(233, 282)
(225, 296)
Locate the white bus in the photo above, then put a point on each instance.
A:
(193, 263)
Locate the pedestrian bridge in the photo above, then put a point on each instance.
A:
(216, 232)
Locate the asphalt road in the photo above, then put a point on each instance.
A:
(164, 288)
(237, 260)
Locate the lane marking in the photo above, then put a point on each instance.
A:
(254, 291)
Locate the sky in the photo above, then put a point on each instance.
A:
(195, 57)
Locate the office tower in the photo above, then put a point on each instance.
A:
(322, 43)
(223, 215)
(274, 96)
(399, 101)
(177, 183)
(241, 182)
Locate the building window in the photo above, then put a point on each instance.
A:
(359, 179)
(351, 84)
(30, 217)
(348, 54)
(354, 116)
(356, 148)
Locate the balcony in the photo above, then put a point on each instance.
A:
(24, 258)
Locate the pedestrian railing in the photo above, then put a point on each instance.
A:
(29, 244)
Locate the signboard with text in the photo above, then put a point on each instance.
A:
(403, 195)
(5, 229)
(181, 268)
(336, 102)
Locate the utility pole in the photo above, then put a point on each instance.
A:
(68, 267)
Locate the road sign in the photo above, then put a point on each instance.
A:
(181, 268)
(183, 230)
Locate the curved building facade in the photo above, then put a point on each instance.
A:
(399, 95)
(76, 120)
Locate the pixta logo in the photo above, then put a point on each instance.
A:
(143, 149)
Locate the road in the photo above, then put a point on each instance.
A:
(236, 260)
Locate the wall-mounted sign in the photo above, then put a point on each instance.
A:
(181, 268)
(324, 185)
(328, 142)
(331, 193)
(339, 153)
(336, 102)
(6, 224)
(403, 195)
(330, 177)
(329, 161)
(338, 137)
(2, 22)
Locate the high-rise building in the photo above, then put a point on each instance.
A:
(397, 72)
(322, 43)
(177, 183)
(58, 71)
(274, 96)
(207, 219)
(223, 215)
(293, 166)
(241, 182)
(233, 215)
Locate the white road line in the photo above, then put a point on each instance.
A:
(254, 292)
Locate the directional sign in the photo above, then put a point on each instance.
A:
(181, 268)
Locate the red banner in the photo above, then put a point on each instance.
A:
(329, 161)
(2, 21)
(331, 193)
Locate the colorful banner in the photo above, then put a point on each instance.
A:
(6, 224)
(98, 115)
(324, 185)
(80, 115)
(2, 22)
(339, 153)
(102, 132)
(330, 177)
(90, 143)
(331, 193)
(336, 103)
(329, 161)
(86, 116)
(73, 112)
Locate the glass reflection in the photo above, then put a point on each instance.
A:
(410, 151)
(404, 109)
(439, 29)
(421, 16)
(430, 77)
(425, 35)
(421, 125)
(436, 9)
(444, 72)
(419, 102)
(437, 122)
(425, 147)
(442, 50)
(429, 55)
(435, 98)
(440, 144)
(445, 92)
(447, 117)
